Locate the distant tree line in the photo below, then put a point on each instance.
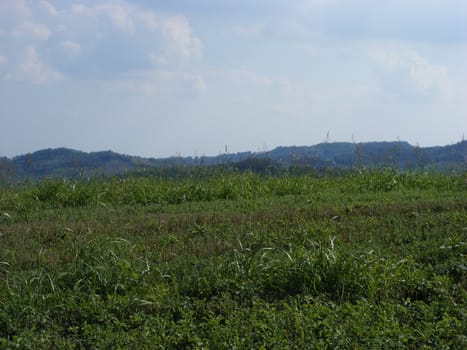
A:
(322, 159)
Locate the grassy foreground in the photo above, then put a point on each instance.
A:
(372, 260)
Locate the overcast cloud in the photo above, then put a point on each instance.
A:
(158, 78)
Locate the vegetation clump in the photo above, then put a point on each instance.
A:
(369, 259)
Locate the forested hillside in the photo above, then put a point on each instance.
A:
(69, 163)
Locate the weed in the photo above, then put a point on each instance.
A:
(370, 259)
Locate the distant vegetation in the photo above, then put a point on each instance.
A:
(225, 259)
(321, 158)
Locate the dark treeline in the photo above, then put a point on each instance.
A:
(321, 159)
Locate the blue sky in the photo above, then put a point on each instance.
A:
(160, 78)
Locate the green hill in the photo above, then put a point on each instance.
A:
(63, 162)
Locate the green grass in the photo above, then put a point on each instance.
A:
(370, 260)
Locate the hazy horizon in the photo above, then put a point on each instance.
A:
(223, 152)
(160, 78)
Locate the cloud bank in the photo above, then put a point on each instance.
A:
(159, 78)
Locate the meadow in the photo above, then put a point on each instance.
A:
(230, 260)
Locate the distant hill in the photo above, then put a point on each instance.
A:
(63, 162)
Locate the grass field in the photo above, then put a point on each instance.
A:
(366, 260)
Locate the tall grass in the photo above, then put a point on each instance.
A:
(366, 260)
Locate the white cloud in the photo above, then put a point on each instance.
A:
(49, 7)
(71, 48)
(120, 15)
(181, 40)
(3, 59)
(197, 85)
(33, 69)
(180, 43)
(150, 20)
(37, 30)
(426, 78)
(158, 82)
(80, 9)
(172, 33)
(250, 78)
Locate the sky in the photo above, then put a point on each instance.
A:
(159, 78)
